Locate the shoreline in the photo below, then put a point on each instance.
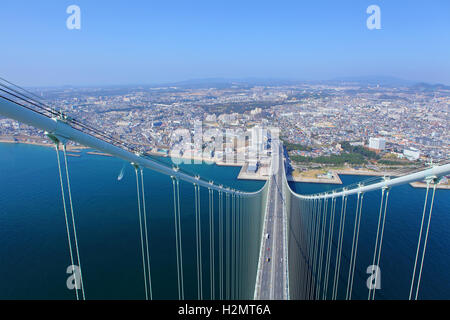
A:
(302, 179)
(258, 176)
(423, 185)
(47, 145)
(356, 172)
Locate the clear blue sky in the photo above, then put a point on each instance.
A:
(129, 42)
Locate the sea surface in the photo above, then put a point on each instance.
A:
(33, 242)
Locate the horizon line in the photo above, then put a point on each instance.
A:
(383, 81)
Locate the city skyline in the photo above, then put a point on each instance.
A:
(153, 43)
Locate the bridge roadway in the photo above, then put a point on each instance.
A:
(272, 269)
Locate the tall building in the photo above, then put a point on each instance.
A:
(377, 143)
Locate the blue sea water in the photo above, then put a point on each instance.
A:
(33, 243)
(34, 252)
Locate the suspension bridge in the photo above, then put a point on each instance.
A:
(270, 244)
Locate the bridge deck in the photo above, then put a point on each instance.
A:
(272, 272)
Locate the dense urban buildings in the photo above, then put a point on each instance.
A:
(395, 124)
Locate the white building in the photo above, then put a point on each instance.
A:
(412, 154)
(377, 143)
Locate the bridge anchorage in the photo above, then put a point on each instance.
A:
(270, 244)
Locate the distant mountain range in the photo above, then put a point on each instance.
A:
(393, 81)
(228, 82)
(221, 83)
(429, 87)
(376, 80)
(366, 80)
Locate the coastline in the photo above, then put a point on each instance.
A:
(259, 175)
(357, 172)
(423, 185)
(42, 144)
(335, 179)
